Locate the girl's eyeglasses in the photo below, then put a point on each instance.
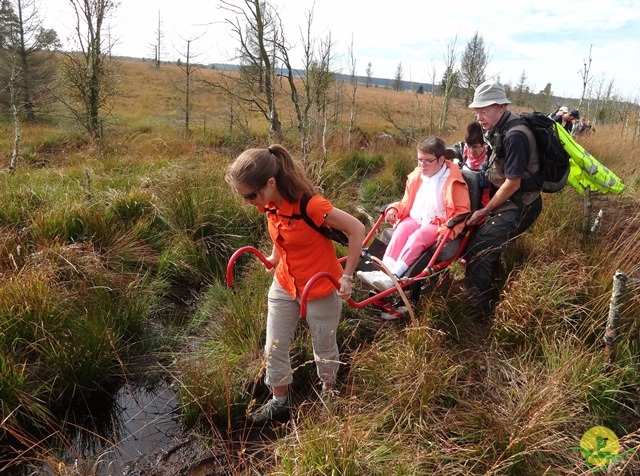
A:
(426, 161)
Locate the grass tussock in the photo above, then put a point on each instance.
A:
(221, 372)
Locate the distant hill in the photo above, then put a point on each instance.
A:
(384, 83)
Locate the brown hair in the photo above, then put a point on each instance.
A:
(254, 167)
(432, 144)
(474, 134)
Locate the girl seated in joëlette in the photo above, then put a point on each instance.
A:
(434, 193)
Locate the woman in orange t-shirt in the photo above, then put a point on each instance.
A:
(272, 181)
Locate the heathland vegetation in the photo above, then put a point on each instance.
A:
(114, 251)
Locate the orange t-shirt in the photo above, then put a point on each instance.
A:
(303, 251)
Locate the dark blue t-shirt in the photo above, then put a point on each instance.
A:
(516, 153)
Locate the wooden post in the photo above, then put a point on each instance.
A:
(88, 194)
(596, 223)
(613, 321)
(586, 213)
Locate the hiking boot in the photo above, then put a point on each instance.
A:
(378, 279)
(271, 410)
(329, 395)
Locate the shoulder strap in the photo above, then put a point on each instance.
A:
(303, 211)
(533, 180)
(328, 232)
(302, 215)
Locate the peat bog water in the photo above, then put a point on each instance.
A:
(136, 422)
(145, 421)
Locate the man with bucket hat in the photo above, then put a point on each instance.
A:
(515, 202)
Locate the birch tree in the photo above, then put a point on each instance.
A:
(264, 57)
(86, 73)
(316, 79)
(258, 35)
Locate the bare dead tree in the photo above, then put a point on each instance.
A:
(186, 85)
(449, 82)
(157, 46)
(584, 73)
(89, 80)
(257, 36)
(159, 41)
(400, 121)
(353, 81)
(302, 105)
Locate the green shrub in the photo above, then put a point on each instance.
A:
(360, 164)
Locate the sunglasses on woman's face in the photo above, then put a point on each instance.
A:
(250, 196)
(253, 195)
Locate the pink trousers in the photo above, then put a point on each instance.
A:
(408, 241)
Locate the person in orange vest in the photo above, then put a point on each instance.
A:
(434, 193)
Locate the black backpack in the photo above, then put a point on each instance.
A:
(554, 159)
(331, 233)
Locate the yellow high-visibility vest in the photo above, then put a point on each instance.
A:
(585, 171)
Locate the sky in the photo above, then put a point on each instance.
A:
(548, 41)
